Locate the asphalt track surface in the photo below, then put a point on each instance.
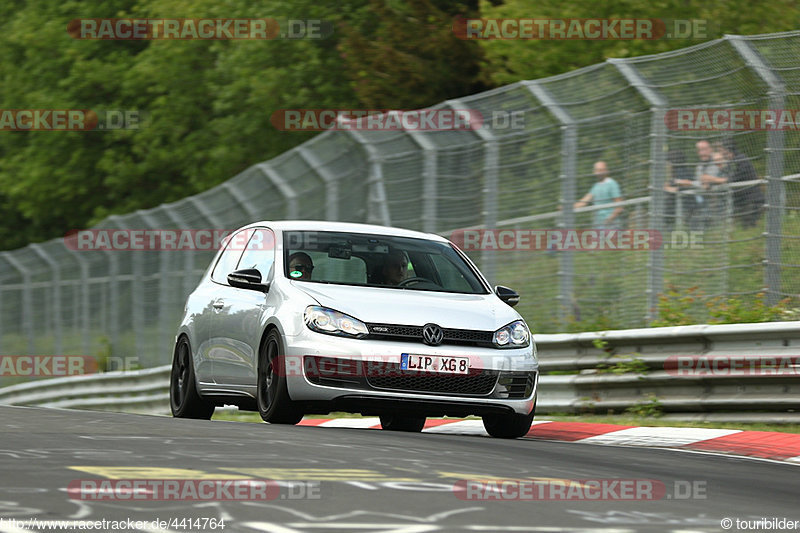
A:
(365, 480)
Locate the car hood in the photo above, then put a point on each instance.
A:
(414, 308)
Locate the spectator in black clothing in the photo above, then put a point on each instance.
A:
(748, 202)
(680, 178)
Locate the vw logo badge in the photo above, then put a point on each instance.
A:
(432, 334)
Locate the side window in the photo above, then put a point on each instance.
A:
(259, 253)
(230, 256)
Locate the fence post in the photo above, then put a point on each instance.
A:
(237, 194)
(56, 293)
(569, 150)
(658, 136)
(165, 327)
(288, 193)
(429, 175)
(2, 317)
(188, 281)
(491, 182)
(378, 203)
(330, 180)
(113, 298)
(137, 292)
(27, 306)
(776, 191)
(84, 299)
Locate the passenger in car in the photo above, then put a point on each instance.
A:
(300, 266)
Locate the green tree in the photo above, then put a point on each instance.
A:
(406, 56)
(509, 61)
(206, 104)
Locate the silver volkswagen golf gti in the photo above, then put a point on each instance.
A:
(301, 317)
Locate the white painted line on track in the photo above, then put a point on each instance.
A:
(658, 436)
(357, 423)
(463, 427)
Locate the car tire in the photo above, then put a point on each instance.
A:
(184, 400)
(272, 396)
(412, 424)
(511, 426)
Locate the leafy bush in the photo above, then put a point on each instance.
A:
(633, 365)
(649, 408)
(734, 310)
(680, 309)
(675, 309)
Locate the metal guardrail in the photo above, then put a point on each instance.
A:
(579, 372)
(596, 372)
(136, 391)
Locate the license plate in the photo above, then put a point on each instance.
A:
(435, 363)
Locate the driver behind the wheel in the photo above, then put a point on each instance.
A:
(300, 266)
(394, 269)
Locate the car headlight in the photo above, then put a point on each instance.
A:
(328, 321)
(514, 335)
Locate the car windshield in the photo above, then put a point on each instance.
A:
(377, 261)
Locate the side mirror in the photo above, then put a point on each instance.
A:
(248, 278)
(509, 296)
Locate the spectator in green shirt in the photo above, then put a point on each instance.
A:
(605, 192)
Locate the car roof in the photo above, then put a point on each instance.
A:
(325, 225)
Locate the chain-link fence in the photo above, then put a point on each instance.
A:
(55, 300)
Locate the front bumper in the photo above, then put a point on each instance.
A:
(440, 395)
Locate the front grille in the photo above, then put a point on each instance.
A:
(468, 335)
(462, 337)
(396, 331)
(477, 383)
